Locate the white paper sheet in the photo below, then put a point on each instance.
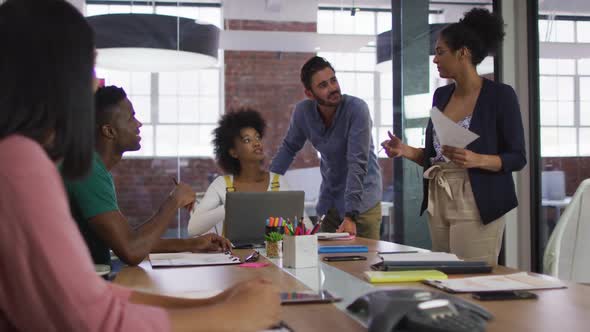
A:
(192, 259)
(196, 294)
(325, 236)
(515, 281)
(420, 257)
(450, 133)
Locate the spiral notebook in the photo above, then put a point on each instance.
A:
(192, 259)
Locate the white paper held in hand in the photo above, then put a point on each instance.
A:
(450, 133)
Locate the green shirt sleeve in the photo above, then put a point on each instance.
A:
(94, 194)
(90, 197)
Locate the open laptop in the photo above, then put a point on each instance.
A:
(246, 214)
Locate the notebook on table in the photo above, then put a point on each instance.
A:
(342, 249)
(444, 262)
(403, 276)
(192, 259)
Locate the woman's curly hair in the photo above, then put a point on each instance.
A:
(479, 30)
(228, 129)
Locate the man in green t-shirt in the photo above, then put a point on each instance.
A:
(93, 200)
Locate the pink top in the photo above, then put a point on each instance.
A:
(47, 279)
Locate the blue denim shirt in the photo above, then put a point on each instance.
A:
(351, 176)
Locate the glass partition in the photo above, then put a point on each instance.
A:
(414, 79)
(180, 109)
(564, 82)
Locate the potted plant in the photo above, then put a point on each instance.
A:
(273, 241)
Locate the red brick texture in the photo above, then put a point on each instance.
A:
(144, 184)
(576, 169)
(257, 25)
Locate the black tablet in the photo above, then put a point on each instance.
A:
(307, 297)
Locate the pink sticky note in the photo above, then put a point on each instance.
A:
(253, 265)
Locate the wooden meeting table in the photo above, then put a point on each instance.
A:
(555, 310)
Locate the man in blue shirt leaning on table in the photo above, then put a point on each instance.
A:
(339, 127)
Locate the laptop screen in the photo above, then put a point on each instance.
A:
(246, 213)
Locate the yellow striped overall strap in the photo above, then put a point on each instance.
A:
(229, 185)
(275, 185)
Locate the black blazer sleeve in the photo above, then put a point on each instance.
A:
(510, 131)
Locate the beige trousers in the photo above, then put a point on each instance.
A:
(454, 220)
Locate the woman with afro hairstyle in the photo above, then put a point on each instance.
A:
(468, 194)
(239, 152)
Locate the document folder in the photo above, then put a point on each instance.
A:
(342, 249)
(403, 276)
(449, 267)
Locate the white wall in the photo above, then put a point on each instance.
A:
(271, 10)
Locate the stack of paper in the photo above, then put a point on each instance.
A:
(332, 236)
(516, 281)
(192, 259)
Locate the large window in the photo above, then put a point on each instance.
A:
(356, 71)
(178, 109)
(565, 109)
(564, 114)
(364, 22)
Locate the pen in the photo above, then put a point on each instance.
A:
(397, 252)
(316, 228)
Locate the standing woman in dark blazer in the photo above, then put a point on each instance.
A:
(468, 196)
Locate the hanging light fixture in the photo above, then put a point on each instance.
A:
(384, 46)
(154, 43)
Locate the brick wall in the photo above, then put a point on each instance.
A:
(143, 184)
(268, 82)
(576, 170)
